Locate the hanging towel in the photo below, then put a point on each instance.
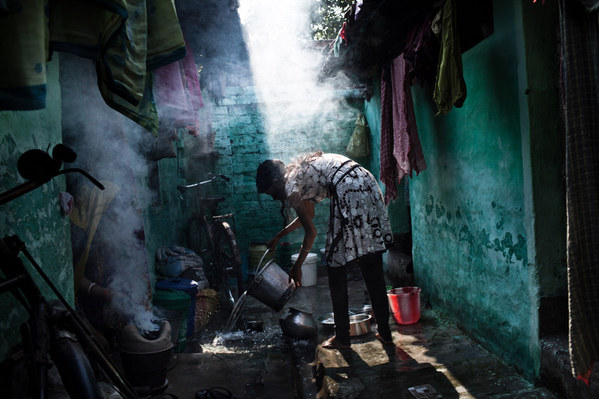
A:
(178, 95)
(388, 164)
(24, 49)
(422, 52)
(170, 91)
(126, 39)
(165, 38)
(190, 69)
(406, 149)
(580, 59)
(450, 87)
(401, 151)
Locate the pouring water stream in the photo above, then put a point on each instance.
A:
(239, 305)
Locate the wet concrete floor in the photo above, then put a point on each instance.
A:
(430, 355)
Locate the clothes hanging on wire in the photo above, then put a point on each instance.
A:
(450, 87)
(579, 34)
(24, 58)
(422, 52)
(125, 39)
(401, 151)
(178, 95)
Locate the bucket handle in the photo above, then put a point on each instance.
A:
(258, 270)
(258, 278)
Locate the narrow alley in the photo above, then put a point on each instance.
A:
(153, 152)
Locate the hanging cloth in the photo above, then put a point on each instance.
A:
(177, 93)
(24, 49)
(388, 164)
(401, 151)
(359, 145)
(127, 40)
(450, 87)
(90, 207)
(579, 31)
(422, 52)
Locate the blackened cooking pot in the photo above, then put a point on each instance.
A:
(298, 324)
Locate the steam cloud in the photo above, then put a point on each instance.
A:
(285, 62)
(103, 140)
(264, 43)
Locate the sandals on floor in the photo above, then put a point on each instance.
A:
(333, 343)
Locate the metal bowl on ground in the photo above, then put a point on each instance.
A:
(359, 324)
(326, 319)
(367, 309)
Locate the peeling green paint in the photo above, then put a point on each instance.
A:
(35, 217)
(477, 241)
(509, 249)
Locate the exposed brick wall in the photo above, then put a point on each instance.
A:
(245, 137)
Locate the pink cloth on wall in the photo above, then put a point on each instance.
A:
(402, 114)
(177, 93)
(168, 87)
(401, 151)
(193, 81)
(388, 164)
(404, 122)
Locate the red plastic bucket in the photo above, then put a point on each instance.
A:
(405, 304)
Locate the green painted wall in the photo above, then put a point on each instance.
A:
(544, 151)
(36, 217)
(475, 210)
(165, 216)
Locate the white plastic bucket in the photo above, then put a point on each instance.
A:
(323, 258)
(309, 272)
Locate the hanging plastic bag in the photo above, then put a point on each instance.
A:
(359, 146)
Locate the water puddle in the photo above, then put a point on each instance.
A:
(224, 338)
(243, 341)
(242, 336)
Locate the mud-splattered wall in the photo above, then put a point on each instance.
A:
(477, 210)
